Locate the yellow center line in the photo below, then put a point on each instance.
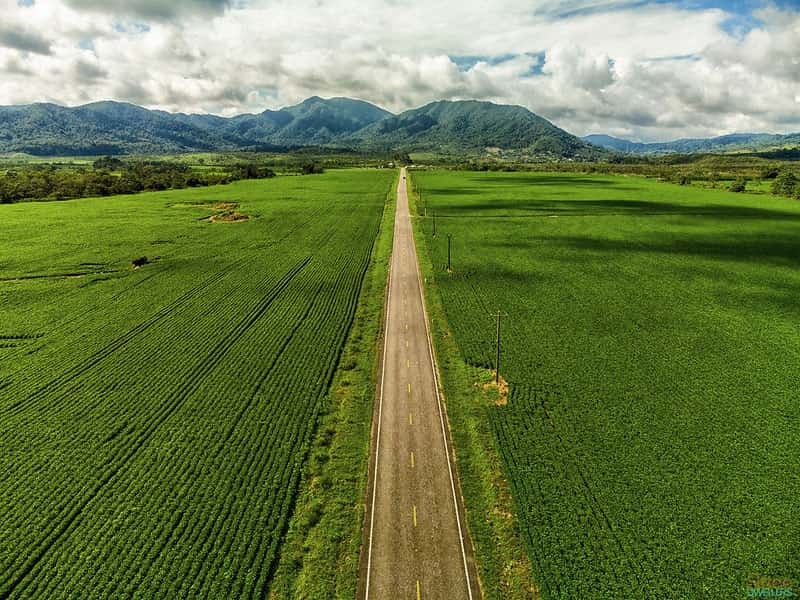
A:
(406, 343)
(414, 511)
(410, 419)
(418, 596)
(409, 388)
(412, 459)
(408, 364)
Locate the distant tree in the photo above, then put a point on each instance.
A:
(252, 171)
(311, 168)
(739, 184)
(109, 162)
(402, 159)
(785, 183)
(770, 172)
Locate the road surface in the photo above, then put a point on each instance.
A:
(416, 545)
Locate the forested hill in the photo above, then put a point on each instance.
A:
(119, 128)
(472, 126)
(466, 127)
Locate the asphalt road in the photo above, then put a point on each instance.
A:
(415, 542)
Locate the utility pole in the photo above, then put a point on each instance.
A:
(499, 315)
(448, 253)
(434, 223)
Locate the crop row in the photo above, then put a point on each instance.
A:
(650, 343)
(163, 460)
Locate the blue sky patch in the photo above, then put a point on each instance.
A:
(131, 27)
(536, 68)
(690, 57)
(465, 63)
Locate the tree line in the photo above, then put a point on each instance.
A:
(111, 176)
(736, 173)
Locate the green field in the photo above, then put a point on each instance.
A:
(155, 422)
(652, 345)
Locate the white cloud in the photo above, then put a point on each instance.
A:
(152, 9)
(589, 65)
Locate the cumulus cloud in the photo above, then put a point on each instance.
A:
(649, 71)
(152, 9)
(20, 39)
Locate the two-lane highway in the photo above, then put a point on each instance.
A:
(416, 542)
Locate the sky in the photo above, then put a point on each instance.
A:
(646, 70)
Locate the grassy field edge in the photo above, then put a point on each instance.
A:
(503, 565)
(320, 554)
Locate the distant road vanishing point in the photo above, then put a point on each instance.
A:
(416, 541)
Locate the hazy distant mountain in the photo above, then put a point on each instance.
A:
(470, 125)
(100, 128)
(119, 128)
(736, 142)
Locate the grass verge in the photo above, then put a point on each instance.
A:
(320, 554)
(503, 566)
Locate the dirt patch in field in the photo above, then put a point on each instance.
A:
(225, 212)
(221, 206)
(228, 216)
(500, 388)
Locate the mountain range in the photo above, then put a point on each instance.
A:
(465, 127)
(461, 127)
(736, 142)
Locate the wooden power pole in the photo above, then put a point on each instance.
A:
(448, 252)
(499, 315)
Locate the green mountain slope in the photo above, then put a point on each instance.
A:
(100, 128)
(471, 126)
(119, 128)
(462, 127)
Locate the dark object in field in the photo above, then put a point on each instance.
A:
(311, 168)
(140, 262)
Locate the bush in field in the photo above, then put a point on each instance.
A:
(785, 183)
(739, 185)
(311, 168)
(770, 172)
